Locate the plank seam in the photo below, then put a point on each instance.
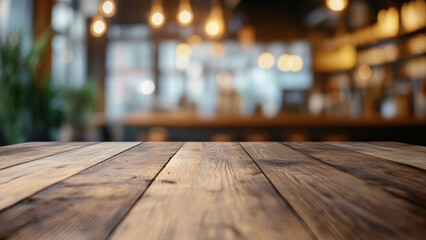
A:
(142, 194)
(106, 159)
(53, 154)
(343, 170)
(286, 202)
(401, 147)
(384, 159)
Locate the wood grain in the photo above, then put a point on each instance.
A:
(408, 157)
(402, 181)
(25, 152)
(334, 204)
(400, 145)
(211, 191)
(23, 180)
(90, 204)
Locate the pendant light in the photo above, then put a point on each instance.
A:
(336, 5)
(215, 24)
(157, 17)
(107, 8)
(185, 15)
(98, 26)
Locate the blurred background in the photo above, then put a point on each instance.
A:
(212, 70)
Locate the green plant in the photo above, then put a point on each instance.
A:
(28, 103)
(80, 104)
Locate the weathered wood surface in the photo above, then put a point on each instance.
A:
(403, 181)
(212, 191)
(95, 199)
(399, 145)
(334, 204)
(25, 152)
(22, 180)
(408, 157)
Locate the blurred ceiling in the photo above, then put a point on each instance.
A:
(272, 19)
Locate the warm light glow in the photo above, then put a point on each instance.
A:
(224, 80)
(413, 15)
(185, 15)
(107, 8)
(287, 63)
(336, 5)
(183, 51)
(283, 63)
(215, 25)
(217, 49)
(98, 26)
(247, 37)
(341, 59)
(212, 28)
(266, 60)
(388, 22)
(157, 17)
(364, 74)
(146, 87)
(195, 41)
(417, 44)
(378, 55)
(297, 63)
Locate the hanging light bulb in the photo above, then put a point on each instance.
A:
(185, 16)
(336, 5)
(107, 8)
(215, 24)
(98, 26)
(157, 17)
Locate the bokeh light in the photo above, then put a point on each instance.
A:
(336, 5)
(107, 8)
(224, 80)
(185, 16)
(266, 60)
(183, 51)
(98, 26)
(146, 87)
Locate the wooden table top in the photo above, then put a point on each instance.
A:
(213, 190)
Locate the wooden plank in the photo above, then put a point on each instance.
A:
(402, 146)
(334, 204)
(90, 204)
(23, 180)
(403, 181)
(412, 158)
(211, 190)
(19, 153)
